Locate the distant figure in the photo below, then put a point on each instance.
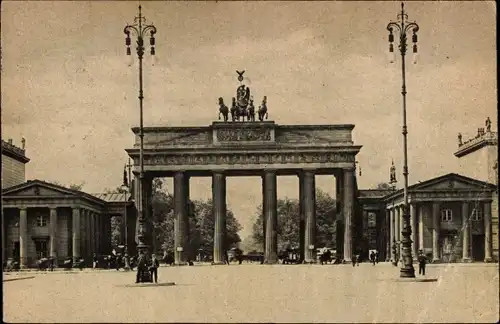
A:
(353, 260)
(155, 264)
(372, 257)
(460, 139)
(227, 257)
(95, 261)
(488, 124)
(422, 260)
(376, 256)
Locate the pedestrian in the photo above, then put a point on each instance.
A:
(353, 260)
(227, 257)
(141, 263)
(422, 260)
(95, 261)
(155, 264)
(376, 256)
(372, 257)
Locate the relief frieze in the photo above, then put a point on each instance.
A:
(248, 158)
(245, 135)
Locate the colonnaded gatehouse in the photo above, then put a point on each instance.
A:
(261, 148)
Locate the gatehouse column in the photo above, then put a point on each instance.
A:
(397, 232)
(264, 208)
(400, 232)
(180, 233)
(387, 238)
(4, 235)
(339, 193)
(148, 211)
(76, 233)
(187, 239)
(421, 215)
(348, 212)
(23, 237)
(53, 233)
(466, 232)
(309, 188)
(90, 233)
(436, 221)
(219, 212)
(302, 218)
(392, 239)
(487, 232)
(414, 230)
(98, 233)
(271, 251)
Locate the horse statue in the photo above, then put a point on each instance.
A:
(251, 111)
(234, 110)
(223, 109)
(242, 99)
(263, 109)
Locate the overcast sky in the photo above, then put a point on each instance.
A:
(67, 89)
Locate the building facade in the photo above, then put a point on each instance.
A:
(47, 220)
(478, 159)
(13, 163)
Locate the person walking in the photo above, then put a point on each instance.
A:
(422, 260)
(372, 257)
(95, 261)
(141, 266)
(155, 264)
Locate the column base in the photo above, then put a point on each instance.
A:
(436, 260)
(271, 262)
(488, 260)
(219, 263)
(407, 272)
(180, 264)
(466, 260)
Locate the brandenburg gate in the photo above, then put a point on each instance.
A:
(254, 148)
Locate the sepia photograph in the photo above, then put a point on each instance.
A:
(249, 162)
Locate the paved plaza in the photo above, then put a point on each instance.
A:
(257, 293)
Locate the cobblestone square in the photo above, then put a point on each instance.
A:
(256, 293)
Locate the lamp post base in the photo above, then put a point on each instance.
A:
(407, 271)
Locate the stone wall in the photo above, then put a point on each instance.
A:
(13, 172)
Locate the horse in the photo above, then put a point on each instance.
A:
(234, 110)
(326, 257)
(223, 109)
(251, 112)
(263, 109)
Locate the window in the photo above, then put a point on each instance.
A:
(372, 220)
(41, 221)
(446, 215)
(41, 248)
(477, 214)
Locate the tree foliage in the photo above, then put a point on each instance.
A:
(289, 222)
(383, 186)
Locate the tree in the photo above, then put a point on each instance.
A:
(74, 186)
(384, 186)
(289, 222)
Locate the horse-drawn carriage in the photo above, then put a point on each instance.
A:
(11, 265)
(290, 256)
(46, 263)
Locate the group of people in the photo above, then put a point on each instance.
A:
(147, 268)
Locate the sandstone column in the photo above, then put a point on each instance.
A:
(264, 208)
(348, 212)
(400, 233)
(436, 220)
(388, 235)
(90, 233)
(309, 191)
(392, 211)
(76, 233)
(23, 237)
(422, 213)
(4, 235)
(397, 233)
(53, 233)
(414, 230)
(219, 213)
(487, 232)
(466, 232)
(148, 211)
(302, 218)
(271, 251)
(180, 234)
(339, 193)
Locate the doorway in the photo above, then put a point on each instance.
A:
(16, 251)
(478, 248)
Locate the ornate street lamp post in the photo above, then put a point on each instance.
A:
(140, 30)
(402, 26)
